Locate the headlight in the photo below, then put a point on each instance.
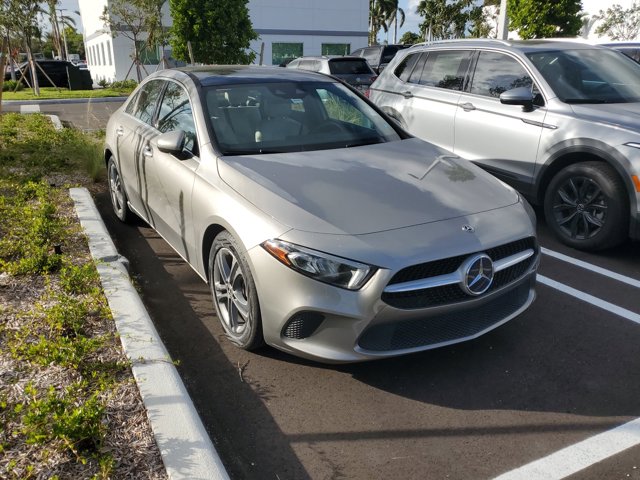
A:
(320, 266)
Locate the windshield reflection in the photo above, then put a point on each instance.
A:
(249, 119)
(589, 75)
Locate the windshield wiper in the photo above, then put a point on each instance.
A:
(591, 100)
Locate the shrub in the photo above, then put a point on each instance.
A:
(124, 85)
(10, 86)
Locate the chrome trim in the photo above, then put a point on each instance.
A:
(423, 283)
(457, 276)
(539, 124)
(512, 260)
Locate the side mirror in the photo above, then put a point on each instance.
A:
(518, 96)
(171, 142)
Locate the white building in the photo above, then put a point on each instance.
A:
(286, 29)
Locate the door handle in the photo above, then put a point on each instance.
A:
(119, 131)
(407, 94)
(147, 152)
(467, 107)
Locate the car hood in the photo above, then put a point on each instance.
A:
(364, 189)
(626, 115)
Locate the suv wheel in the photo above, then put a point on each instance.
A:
(585, 206)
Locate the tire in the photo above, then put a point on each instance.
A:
(117, 193)
(585, 206)
(234, 293)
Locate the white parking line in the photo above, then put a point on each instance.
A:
(602, 271)
(598, 302)
(29, 108)
(579, 456)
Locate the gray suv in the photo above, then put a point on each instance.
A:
(559, 121)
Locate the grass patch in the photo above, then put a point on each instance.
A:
(68, 405)
(31, 146)
(51, 93)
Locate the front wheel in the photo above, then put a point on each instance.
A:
(585, 205)
(234, 293)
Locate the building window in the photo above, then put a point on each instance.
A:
(109, 52)
(104, 62)
(148, 55)
(285, 52)
(336, 49)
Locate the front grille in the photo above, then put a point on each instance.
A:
(449, 327)
(449, 294)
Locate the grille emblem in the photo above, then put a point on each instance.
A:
(468, 228)
(477, 274)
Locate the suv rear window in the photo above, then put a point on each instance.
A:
(388, 53)
(349, 66)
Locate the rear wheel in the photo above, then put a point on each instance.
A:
(117, 193)
(586, 207)
(234, 293)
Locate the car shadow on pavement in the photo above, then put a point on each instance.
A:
(180, 305)
(556, 357)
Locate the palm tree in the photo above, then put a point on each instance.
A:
(392, 13)
(57, 32)
(378, 18)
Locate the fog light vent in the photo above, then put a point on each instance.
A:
(302, 325)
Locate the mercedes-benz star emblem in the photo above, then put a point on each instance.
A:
(478, 274)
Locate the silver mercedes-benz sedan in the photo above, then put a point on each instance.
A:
(322, 228)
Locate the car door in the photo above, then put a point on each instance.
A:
(169, 178)
(432, 93)
(502, 138)
(133, 132)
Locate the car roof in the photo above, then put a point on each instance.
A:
(235, 74)
(330, 57)
(535, 45)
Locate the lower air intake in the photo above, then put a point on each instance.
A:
(302, 325)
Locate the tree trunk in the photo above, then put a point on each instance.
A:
(34, 72)
(3, 62)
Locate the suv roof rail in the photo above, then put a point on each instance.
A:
(460, 40)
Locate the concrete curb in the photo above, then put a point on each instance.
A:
(187, 451)
(64, 100)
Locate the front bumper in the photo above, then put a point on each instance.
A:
(325, 323)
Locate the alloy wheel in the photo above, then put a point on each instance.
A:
(580, 208)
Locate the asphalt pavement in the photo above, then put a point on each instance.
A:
(552, 394)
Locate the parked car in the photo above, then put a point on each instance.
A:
(378, 56)
(353, 70)
(322, 228)
(56, 71)
(556, 120)
(630, 49)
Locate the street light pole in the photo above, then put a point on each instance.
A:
(64, 36)
(503, 21)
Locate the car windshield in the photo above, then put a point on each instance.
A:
(349, 66)
(291, 117)
(589, 75)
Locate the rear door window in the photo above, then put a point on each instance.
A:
(446, 69)
(405, 68)
(496, 73)
(148, 99)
